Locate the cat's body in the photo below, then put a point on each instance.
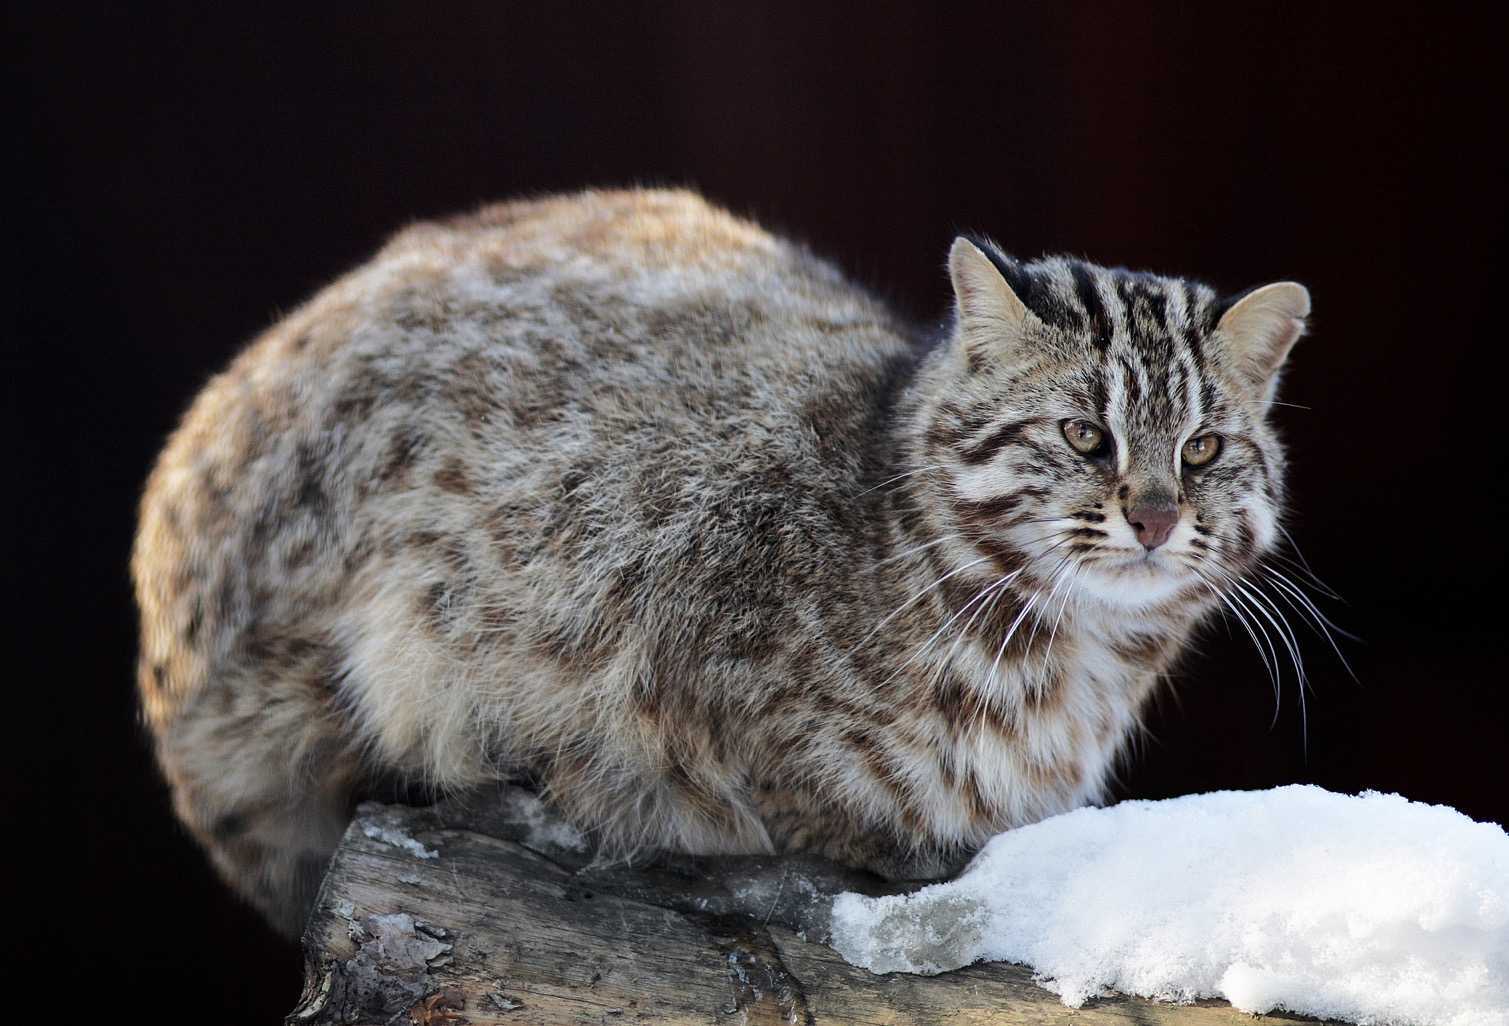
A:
(608, 489)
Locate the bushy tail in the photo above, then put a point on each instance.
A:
(263, 776)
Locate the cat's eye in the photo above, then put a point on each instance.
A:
(1086, 438)
(1201, 449)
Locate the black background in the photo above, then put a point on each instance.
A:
(182, 180)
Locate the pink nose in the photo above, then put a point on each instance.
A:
(1153, 522)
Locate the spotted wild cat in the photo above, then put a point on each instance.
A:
(622, 492)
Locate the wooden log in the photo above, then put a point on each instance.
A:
(488, 910)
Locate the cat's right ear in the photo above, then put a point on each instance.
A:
(1261, 326)
(990, 316)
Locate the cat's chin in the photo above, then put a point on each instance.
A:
(1137, 583)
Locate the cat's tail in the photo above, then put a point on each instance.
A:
(263, 779)
(245, 720)
(244, 709)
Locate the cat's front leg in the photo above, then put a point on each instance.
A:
(797, 821)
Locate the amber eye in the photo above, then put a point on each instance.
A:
(1201, 449)
(1085, 437)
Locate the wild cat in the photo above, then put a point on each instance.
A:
(621, 492)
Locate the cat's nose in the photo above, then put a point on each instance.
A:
(1154, 521)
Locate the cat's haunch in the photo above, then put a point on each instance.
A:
(624, 493)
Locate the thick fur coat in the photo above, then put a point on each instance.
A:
(621, 492)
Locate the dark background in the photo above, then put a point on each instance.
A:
(182, 180)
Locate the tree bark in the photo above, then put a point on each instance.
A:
(489, 910)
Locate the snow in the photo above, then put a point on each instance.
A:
(542, 831)
(1370, 908)
(388, 833)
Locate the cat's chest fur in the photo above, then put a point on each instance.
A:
(1012, 721)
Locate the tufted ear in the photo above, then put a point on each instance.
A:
(990, 315)
(1262, 326)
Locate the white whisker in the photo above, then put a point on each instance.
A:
(963, 632)
(897, 611)
(1242, 619)
(1015, 624)
(919, 548)
(1303, 605)
(1062, 606)
(1061, 575)
(899, 477)
(1000, 582)
(1268, 610)
(1304, 564)
(1275, 402)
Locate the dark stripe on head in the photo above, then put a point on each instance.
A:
(1140, 296)
(1177, 371)
(1157, 308)
(1195, 328)
(1208, 398)
(1095, 310)
(1133, 386)
(1100, 396)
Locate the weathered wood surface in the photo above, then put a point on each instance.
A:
(484, 912)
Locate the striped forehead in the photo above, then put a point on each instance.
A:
(1126, 312)
(1141, 333)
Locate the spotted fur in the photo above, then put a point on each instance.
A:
(621, 492)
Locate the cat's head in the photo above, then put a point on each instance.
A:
(1106, 430)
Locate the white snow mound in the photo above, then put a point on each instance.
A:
(1372, 908)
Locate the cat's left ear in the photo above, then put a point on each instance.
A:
(1262, 326)
(991, 317)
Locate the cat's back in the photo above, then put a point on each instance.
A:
(506, 324)
(506, 437)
